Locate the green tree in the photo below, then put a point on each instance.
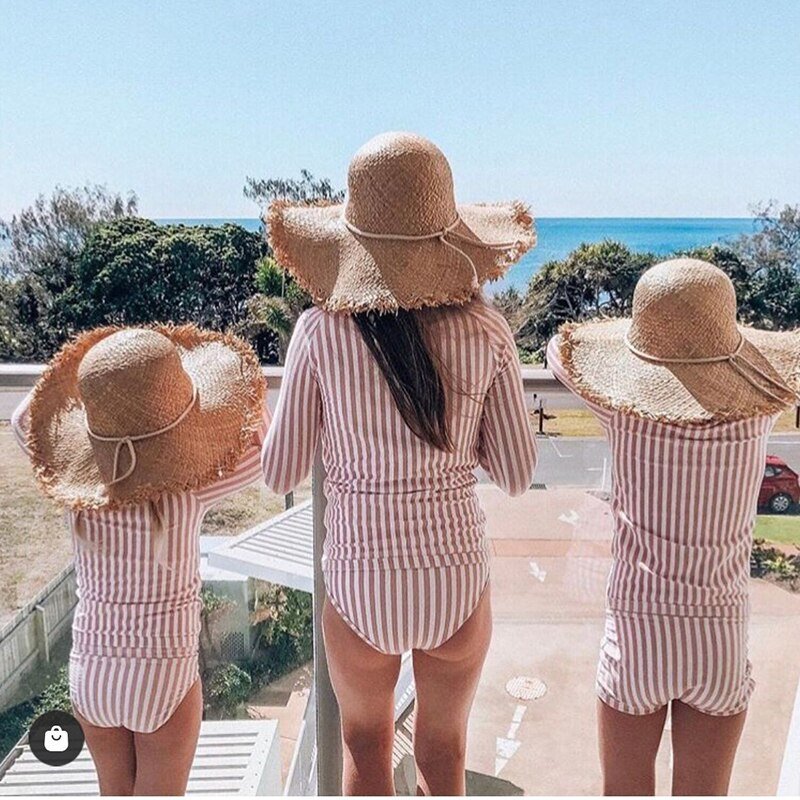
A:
(133, 271)
(39, 249)
(307, 189)
(273, 311)
(594, 280)
(768, 293)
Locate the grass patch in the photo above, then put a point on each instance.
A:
(35, 542)
(783, 528)
(570, 422)
(785, 422)
(36, 545)
(581, 422)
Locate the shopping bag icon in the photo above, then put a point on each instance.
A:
(56, 740)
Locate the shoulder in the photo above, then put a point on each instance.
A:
(308, 322)
(307, 327)
(494, 328)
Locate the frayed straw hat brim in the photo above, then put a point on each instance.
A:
(607, 373)
(344, 272)
(74, 469)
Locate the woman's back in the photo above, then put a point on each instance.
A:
(393, 498)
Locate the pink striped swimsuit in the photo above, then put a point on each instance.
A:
(684, 503)
(136, 627)
(405, 559)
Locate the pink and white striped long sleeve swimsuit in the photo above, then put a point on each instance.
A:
(136, 627)
(684, 503)
(405, 559)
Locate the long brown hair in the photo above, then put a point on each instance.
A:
(397, 341)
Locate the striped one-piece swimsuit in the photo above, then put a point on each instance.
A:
(405, 559)
(684, 501)
(136, 627)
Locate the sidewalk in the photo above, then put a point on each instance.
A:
(548, 584)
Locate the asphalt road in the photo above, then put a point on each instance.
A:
(576, 461)
(571, 461)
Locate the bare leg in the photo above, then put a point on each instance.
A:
(703, 748)
(446, 680)
(363, 680)
(164, 757)
(114, 756)
(628, 749)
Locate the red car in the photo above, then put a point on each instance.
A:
(780, 488)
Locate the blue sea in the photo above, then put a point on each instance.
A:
(558, 236)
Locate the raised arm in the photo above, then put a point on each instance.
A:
(507, 445)
(21, 421)
(291, 443)
(247, 471)
(558, 369)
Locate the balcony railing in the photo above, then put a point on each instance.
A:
(552, 549)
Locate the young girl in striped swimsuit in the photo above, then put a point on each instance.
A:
(687, 400)
(408, 388)
(138, 432)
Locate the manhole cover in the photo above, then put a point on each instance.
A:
(526, 688)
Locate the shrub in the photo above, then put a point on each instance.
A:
(767, 561)
(14, 722)
(284, 618)
(227, 688)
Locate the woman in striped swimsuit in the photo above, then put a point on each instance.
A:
(687, 400)
(406, 404)
(137, 471)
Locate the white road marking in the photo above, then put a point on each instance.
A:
(552, 441)
(570, 519)
(536, 571)
(507, 746)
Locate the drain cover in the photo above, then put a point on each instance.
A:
(524, 687)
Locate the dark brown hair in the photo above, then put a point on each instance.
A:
(397, 341)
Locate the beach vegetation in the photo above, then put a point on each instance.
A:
(306, 189)
(597, 281)
(39, 250)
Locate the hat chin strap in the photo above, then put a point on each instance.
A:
(735, 359)
(127, 441)
(448, 231)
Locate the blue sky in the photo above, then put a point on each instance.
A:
(579, 108)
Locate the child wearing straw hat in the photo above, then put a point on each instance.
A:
(137, 432)
(687, 399)
(409, 381)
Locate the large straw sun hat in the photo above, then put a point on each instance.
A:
(682, 358)
(400, 241)
(124, 414)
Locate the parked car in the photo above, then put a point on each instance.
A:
(780, 488)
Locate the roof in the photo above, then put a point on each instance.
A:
(280, 550)
(233, 757)
(207, 571)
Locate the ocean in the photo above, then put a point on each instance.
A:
(558, 236)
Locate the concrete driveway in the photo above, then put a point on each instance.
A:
(551, 560)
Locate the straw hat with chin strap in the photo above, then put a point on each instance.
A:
(400, 241)
(122, 415)
(682, 358)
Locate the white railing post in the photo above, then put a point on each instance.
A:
(329, 740)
